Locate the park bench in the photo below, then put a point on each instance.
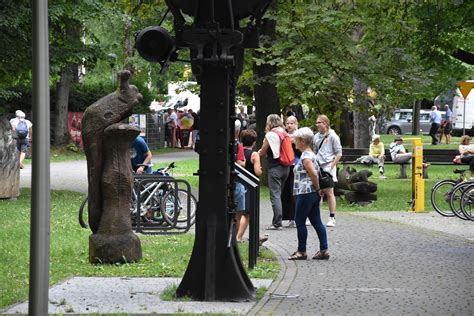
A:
(431, 156)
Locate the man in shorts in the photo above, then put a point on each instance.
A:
(24, 133)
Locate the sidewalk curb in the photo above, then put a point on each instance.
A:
(279, 288)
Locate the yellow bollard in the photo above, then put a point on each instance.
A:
(417, 181)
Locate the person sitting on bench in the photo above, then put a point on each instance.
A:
(376, 155)
(466, 149)
(398, 152)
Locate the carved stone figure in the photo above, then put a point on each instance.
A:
(9, 162)
(107, 146)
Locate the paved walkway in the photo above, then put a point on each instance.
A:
(379, 266)
(381, 263)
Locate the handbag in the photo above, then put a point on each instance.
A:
(325, 178)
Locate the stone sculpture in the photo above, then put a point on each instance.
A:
(9, 162)
(107, 146)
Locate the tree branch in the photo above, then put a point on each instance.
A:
(464, 56)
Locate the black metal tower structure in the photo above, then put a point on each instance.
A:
(216, 42)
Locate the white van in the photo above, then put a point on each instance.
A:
(459, 121)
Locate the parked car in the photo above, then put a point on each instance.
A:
(402, 120)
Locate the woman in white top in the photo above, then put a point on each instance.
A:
(308, 196)
(277, 173)
(328, 149)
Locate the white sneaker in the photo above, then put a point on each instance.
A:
(331, 222)
(382, 177)
(291, 224)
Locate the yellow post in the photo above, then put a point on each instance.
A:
(417, 181)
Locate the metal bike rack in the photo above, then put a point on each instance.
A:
(162, 228)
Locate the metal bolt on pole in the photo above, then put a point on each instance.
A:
(40, 184)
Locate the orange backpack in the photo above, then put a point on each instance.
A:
(287, 156)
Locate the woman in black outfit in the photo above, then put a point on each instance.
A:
(287, 198)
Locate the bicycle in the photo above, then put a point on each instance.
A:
(441, 193)
(456, 198)
(161, 203)
(467, 201)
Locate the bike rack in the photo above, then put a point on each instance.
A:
(161, 228)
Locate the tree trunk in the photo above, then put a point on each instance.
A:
(265, 90)
(361, 113)
(9, 162)
(69, 75)
(361, 116)
(60, 136)
(416, 118)
(347, 129)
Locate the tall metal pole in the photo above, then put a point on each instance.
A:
(40, 184)
(464, 118)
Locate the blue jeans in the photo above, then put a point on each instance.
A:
(307, 206)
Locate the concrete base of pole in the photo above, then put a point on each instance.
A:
(121, 248)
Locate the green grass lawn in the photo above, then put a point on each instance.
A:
(163, 256)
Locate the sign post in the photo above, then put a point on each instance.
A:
(465, 88)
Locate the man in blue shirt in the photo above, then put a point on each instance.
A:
(435, 118)
(140, 154)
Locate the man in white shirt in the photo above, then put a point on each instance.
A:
(24, 133)
(435, 119)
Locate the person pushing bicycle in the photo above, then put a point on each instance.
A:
(140, 156)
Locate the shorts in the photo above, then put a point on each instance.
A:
(22, 145)
(448, 128)
(239, 197)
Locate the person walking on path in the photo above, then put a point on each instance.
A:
(328, 149)
(308, 196)
(24, 133)
(448, 124)
(277, 173)
(287, 198)
(435, 119)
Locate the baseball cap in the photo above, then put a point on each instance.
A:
(398, 138)
(20, 114)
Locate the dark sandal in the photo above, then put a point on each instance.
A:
(321, 255)
(298, 256)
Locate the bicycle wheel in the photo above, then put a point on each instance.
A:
(467, 202)
(440, 195)
(176, 211)
(455, 199)
(150, 205)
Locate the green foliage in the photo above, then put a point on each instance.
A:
(402, 52)
(72, 147)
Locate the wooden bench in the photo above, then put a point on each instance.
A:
(431, 156)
